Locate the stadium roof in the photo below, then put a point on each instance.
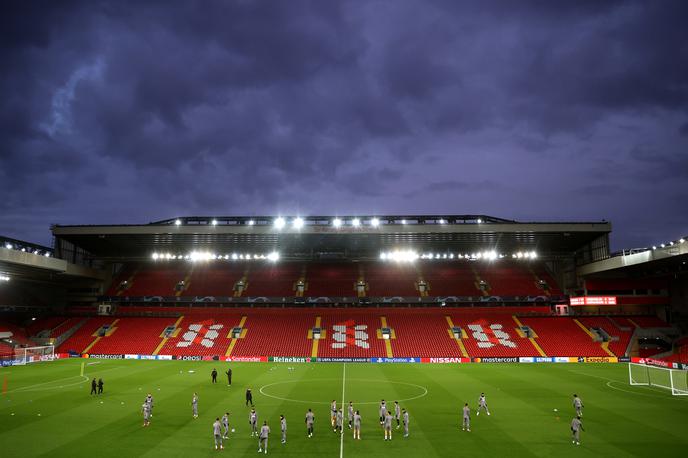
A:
(330, 236)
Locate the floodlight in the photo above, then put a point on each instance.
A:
(4, 278)
(480, 220)
(214, 222)
(235, 256)
(336, 222)
(274, 256)
(251, 222)
(177, 222)
(403, 221)
(442, 221)
(355, 222)
(297, 223)
(682, 240)
(47, 255)
(375, 222)
(533, 254)
(654, 247)
(8, 246)
(155, 256)
(662, 245)
(383, 256)
(280, 223)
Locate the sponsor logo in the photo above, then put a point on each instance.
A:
(543, 360)
(496, 360)
(601, 359)
(288, 359)
(444, 360)
(100, 356)
(527, 359)
(131, 356)
(165, 357)
(248, 359)
(395, 360)
(146, 356)
(561, 359)
(624, 359)
(190, 358)
(343, 360)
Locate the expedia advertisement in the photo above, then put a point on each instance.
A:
(601, 359)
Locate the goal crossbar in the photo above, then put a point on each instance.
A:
(674, 380)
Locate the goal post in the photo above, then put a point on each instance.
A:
(25, 355)
(674, 380)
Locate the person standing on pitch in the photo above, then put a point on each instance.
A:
(213, 375)
(482, 404)
(249, 396)
(466, 425)
(217, 433)
(405, 416)
(310, 419)
(339, 422)
(100, 386)
(578, 405)
(576, 428)
(350, 413)
(283, 427)
(149, 401)
(253, 421)
(397, 413)
(357, 425)
(93, 386)
(387, 426)
(229, 376)
(194, 405)
(333, 412)
(225, 425)
(263, 438)
(146, 409)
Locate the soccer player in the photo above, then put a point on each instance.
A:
(249, 396)
(339, 422)
(194, 405)
(229, 376)
(350, 413)
(466, 425)
(357, 425)
(100, 386)
(397, 413)
(578, 405)
(283, 427)
(149, 401)
(310, 419)
(253, 421)
(213, 374)
(388, 426)
(93, 386)
(405, 416)
(217, 432)
(576, 428)
(383, 411)
(145, 408)
(482, 404)
(263, 439)
(225, 425)
(333, 412)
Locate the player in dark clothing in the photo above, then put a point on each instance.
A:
(249, 396)
(214, 375)
(229, 376)
(93, 386)
(100, 386)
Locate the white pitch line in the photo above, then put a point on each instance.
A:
(341, 435)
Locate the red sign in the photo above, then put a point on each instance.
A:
(593, 300)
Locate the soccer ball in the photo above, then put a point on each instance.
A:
(556, 410)
(232, 429)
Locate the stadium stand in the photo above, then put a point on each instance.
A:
(132, 335)
(392, 280)
(619, 338)
(558, 336)
(331, 279)
(492, 334)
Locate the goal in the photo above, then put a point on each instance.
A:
(675, 380)
(24, 355)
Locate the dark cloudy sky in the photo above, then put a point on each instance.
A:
(129, 112)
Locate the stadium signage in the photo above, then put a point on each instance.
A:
(651, 362)
(601, 359)
(593, 300)
(288, 359)
(395, 360)
(101, 356)
(496, 360)
(445, 360)
(188, 358)
(342, 360)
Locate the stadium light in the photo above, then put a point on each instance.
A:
(662, 245)
(480, 221)
(654, 247)
(8, 246)
(251, 222)
(235, 256)
(383, 256)
(177, 222)
(442, 221)
(214, 222)
(280, 223)
(297, 223)
(336, 222)
(403, 221)
(155, 256)
(47, 254)
(375, 222)
(4, 278)
(274, 256)
(682, 240)
(355, 222)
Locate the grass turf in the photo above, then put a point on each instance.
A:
(46, 410)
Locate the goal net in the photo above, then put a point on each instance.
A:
(675, 380)
(24, 355)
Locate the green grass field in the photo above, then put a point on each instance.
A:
(46, 410)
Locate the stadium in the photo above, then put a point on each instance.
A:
(427, 310)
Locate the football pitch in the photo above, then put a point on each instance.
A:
(46, 410)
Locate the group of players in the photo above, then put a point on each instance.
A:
(387, 417)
